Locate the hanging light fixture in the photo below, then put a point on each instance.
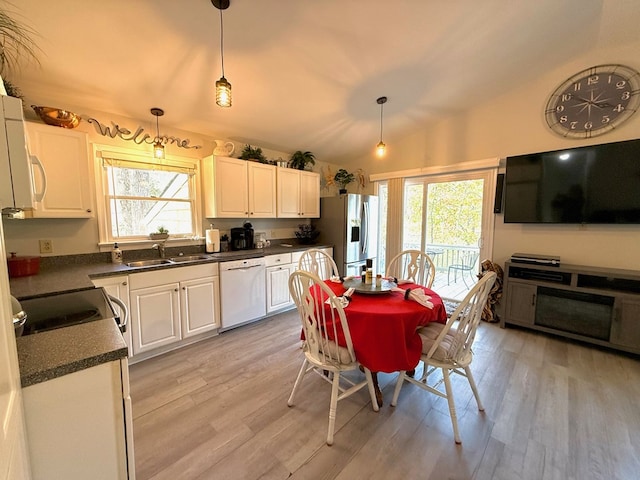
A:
(158, 147)
(223, 87)
(381, 147)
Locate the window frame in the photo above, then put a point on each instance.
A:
(106, 241)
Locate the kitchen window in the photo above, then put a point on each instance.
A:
(140, 195)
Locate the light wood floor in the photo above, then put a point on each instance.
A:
(555, 410)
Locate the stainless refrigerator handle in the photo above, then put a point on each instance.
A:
(365, 243)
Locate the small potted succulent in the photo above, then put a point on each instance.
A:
(161, 234)
(307, 234)
(299, 160)
(343, 178)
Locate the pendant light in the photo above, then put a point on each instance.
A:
(158, 147)
(381, 147)
(223, 87)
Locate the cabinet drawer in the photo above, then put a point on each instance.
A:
(280, 259)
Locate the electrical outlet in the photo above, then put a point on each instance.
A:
(46, 246)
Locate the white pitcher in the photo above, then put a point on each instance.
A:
(224, 149)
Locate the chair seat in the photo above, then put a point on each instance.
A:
(429, 337)
(336, 352)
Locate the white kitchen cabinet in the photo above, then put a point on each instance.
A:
(279, 267)
(78, 425)
(118, 287)
(298, 193)
(235, 188)
(64, 155)
(262, 190)
(199, 305)
(155, 317)
(173, 304)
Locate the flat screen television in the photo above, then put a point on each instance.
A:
(594, 184)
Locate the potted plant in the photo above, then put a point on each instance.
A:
(252, 153)
(300, 160)
(161, 234)
(307, 234)
(343, 178)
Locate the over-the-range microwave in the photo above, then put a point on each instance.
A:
(17, 192)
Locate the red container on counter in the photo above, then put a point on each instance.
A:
(22, 266)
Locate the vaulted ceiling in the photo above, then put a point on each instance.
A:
(305, 73)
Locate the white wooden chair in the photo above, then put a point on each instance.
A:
(448, 347)
(321, 324)
(412, 265)
(319, 263)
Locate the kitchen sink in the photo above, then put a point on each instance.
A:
(149, 263)
(189, 258)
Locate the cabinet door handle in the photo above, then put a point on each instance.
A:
(533, 300)
(88, 210)
(175, 289)
(124, 283)
(184, 288)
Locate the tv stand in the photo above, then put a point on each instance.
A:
(592, 304)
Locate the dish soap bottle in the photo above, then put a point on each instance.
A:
(116, 254)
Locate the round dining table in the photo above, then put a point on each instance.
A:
(384, 326)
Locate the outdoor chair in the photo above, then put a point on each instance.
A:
(467, 263)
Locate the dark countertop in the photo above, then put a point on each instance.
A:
(48, 355)
(62, 277)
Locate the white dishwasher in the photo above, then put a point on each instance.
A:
(242, 292)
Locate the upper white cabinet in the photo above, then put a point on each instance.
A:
(64, 155)
(298, 193)
(235, 188)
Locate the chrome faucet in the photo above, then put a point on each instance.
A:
(160, 247)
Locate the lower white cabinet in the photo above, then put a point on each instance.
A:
(78, 424)
(279, 267)
(169, 305)
(155, 316)
(199, 305)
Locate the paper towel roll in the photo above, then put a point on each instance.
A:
(212, 239)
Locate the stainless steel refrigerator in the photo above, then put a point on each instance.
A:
(349, 223)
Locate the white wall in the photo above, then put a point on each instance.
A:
(514, 124)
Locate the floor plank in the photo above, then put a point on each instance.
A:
(555, 409)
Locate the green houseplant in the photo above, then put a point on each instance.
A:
(161, 234)
(253, 153)
(300, 160)
(343, 178)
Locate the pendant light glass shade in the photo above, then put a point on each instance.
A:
(381, 148)
(223, 92)
(223, 87)
(158, 147)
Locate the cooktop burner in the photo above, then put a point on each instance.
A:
(66, 309)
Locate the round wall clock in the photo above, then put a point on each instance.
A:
(594, 101)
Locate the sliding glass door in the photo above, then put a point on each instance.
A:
(451, 218)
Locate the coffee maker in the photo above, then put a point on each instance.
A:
(242, 238)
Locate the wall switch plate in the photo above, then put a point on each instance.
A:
(46, 246)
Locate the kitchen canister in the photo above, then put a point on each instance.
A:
(212, 240)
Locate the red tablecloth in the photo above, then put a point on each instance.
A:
(383, 327)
